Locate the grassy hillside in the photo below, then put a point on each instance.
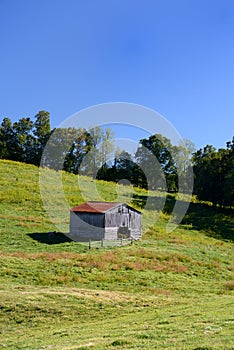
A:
(168, 291)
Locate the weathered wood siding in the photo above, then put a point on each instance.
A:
(111, 233)
(122, 217)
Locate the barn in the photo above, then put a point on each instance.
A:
(104, 220)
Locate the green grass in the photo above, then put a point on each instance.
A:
(167, 291)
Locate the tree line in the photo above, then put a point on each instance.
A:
(214, 174)
(25, 140)
(156, 164)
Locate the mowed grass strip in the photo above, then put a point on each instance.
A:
(66, 318)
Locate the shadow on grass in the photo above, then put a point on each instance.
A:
(148, 202)
(214, 222)
(49, 237)
(155, 202)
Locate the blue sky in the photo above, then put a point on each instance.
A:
(176, 57)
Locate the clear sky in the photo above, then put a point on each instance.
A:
(174, 56)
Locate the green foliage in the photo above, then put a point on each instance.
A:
(165, 165)
(123, 168)
(66, 149)
(100, 148)
(214, 175)
(25, 140)
(155, 160)
(6, 135)
(41, 133)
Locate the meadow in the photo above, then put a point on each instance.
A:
(170, 290)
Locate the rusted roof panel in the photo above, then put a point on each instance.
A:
(95, 207)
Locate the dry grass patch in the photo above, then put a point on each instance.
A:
(97, 295)
(32, 293)
(229, 285)
(137, 260)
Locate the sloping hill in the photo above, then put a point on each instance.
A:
(169, 291)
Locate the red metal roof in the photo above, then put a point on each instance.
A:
(95, 207)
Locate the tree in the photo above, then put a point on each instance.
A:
(122, 168)
(228, 177)
(214, 175)
(204, 174)
(41, 133)
(6, 134)
(58, 148)
(182, 156)
(100, 149)
(154, 157)
(79, 140)
(106, 148)
(22, 140)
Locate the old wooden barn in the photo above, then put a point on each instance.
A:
(104, 220)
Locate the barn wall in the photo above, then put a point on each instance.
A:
(134, 220)
(122, 217)
(85, 226)
(94, 219)
(115, 233)
(113, 217)
(111, 233)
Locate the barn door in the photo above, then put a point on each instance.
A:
(123, 231)
(125, 220)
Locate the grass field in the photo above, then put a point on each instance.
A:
(167, 291)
